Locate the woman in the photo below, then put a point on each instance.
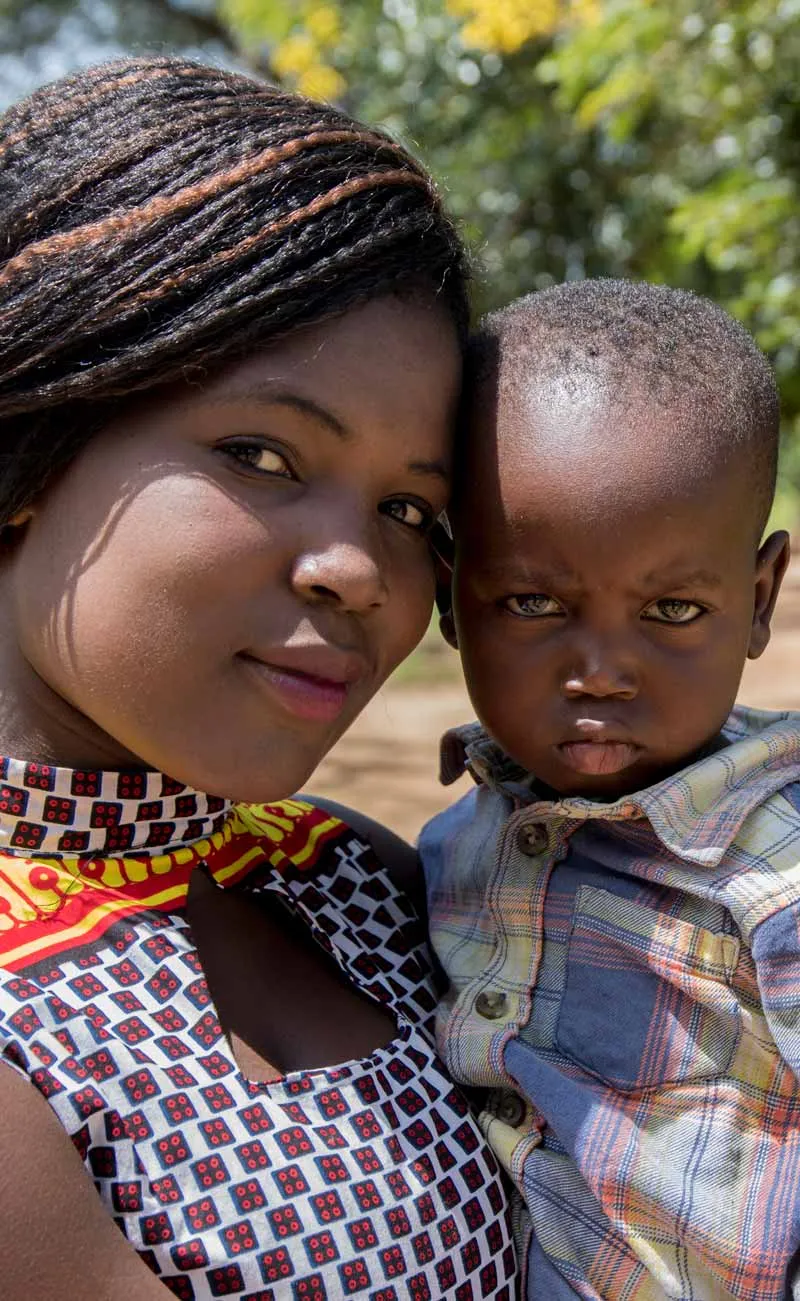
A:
(230, 340)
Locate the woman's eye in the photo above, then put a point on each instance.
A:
(413, 515)
(672, 610)
(258, 457)
(533, 605)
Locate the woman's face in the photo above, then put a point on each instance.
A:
(224, 577)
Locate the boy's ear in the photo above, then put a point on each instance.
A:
(773, 557)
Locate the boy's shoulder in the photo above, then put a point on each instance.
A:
(737, 806)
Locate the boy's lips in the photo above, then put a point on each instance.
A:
(598, 758)
(597, 749)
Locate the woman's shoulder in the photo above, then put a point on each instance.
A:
(340, 875)
(320, 817)
(303, 836)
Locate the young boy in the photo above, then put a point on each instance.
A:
(617, 902)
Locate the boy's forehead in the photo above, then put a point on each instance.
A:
(587, 434)
(550, 457)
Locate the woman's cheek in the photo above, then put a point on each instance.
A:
(410, 605)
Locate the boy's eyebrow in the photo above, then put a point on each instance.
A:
(684, 578)
(515, 570)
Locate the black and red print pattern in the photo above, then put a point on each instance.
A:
(49, 810)
(366, 1180)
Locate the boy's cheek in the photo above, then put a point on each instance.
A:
(502, 677)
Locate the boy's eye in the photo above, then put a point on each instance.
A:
(258, 456)
(413, 514)
(672, 610)
(533, 605)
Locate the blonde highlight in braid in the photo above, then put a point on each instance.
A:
(339, 192)
(170, 206)
(217, 214)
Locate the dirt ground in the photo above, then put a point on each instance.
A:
(387, 763)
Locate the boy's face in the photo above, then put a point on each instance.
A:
(607, 586)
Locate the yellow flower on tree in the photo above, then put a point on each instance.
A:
(504, 26)
(324, 23)
(295, 56)
(302, 58)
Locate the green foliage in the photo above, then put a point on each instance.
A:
(645, 138)
(707, 97)
(660, 139)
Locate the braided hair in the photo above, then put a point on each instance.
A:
(159, 218)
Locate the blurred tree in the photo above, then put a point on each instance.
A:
(648, 138)
(705, 97)
(43, 39)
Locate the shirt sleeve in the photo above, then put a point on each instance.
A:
(441, 838)
(775, 946)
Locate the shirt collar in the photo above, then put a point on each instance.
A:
(68, 811)
(695, 813)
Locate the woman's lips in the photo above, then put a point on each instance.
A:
(303, 693)
(598, 758)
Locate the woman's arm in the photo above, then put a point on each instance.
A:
(398, 857)
(57, 1243)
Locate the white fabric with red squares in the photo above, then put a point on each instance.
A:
(368, 1180)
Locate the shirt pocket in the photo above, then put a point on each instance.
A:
(647, 1000)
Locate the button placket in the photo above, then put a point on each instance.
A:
(533, 839)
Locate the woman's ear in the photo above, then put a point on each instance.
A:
(442, 547)
(773, 558)
(13, 531)
(21, 517)
(444, 602)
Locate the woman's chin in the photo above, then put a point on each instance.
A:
(264, 781)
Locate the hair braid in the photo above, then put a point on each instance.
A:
(172, 205)
(199, 329)
(157, 216)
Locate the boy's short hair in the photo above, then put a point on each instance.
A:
(641, 340)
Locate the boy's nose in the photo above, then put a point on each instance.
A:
(601, 672)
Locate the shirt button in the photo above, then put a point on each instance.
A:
(511, 1109)
(533, 838)
(491, 1004)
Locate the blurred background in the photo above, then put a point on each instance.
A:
(656, 139)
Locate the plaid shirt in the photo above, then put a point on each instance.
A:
(625, 980)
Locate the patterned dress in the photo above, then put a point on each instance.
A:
(367, 1179)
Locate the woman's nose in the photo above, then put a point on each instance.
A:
(601, 670)
(345, 574)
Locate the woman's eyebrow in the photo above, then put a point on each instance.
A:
(430, 467)
(266, 396)
(307, 406)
